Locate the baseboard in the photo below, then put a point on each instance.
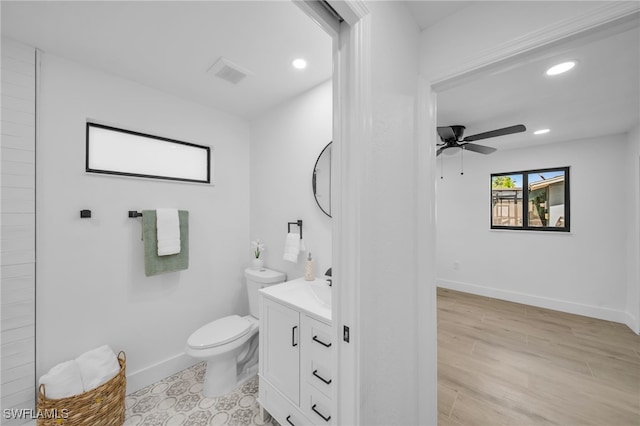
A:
(149, 375)
(541, 302)
(633, 323)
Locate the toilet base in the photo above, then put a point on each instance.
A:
(233, 369)
(221, 378)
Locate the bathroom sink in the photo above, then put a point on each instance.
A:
(321, 290)
(314, 297)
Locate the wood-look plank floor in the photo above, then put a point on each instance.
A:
(503, 363)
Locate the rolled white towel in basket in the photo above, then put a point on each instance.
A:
(97, 366)
(63, 380)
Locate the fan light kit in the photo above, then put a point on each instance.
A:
(299, 64)
(561, 68)
(541, 131)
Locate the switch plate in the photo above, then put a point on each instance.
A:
(345, 333)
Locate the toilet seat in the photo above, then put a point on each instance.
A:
(220, 332)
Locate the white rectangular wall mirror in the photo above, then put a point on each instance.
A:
(127, 153)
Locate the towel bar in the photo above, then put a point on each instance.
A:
(134, 214)
(298, 222)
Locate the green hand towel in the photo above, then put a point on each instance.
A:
(154, 264)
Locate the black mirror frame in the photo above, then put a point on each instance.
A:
(313, 181)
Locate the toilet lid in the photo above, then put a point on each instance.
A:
(219, 332)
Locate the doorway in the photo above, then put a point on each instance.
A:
(472, 170)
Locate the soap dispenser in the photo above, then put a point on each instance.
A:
(310, 269)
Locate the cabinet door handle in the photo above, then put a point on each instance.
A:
(326, 345)
(315, 373)
(326, 419)
(289, 421)
(293, 336)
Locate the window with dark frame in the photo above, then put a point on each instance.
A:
(115, 151)
(532, 200)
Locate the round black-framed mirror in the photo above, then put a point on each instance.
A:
(321, 180)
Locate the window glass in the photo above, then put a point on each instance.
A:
(546, 199)
(506, 200)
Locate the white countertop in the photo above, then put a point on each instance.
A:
(301, 294)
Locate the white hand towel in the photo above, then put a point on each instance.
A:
(97, 366)
(292, 247)
(168, 230)
(62, 380)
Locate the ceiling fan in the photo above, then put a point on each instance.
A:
(451, 137)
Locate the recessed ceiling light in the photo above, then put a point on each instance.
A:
(299, 64)
(560, 68)
(541, 131)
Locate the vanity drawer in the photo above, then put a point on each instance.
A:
(316, 407)
(319, 335)
(316, 362)
(320, 376)
(318, 339)
(279, 406)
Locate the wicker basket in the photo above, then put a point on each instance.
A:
(102, 406)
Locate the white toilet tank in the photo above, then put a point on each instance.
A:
(257, 279)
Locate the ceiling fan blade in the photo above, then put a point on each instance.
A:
(478, 148)
(439, 151)
(494, 133)
(446, 133)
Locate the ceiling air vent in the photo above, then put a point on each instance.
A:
(228, 71)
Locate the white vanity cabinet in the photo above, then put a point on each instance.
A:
(280, 348)
(296, 377)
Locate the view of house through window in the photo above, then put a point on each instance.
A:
(531, 200)
(506, 197)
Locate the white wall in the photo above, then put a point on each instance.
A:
(18, 227)
(389, 327)
(632, 182)
(91, 284)
(285, 144)
(584, 271)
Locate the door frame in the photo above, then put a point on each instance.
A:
(351, 128)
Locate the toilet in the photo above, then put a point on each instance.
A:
(230, 344)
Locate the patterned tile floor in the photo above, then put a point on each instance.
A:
(178, 401)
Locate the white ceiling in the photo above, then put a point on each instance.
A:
(171, 44)
(600, 96)
(427, 13)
